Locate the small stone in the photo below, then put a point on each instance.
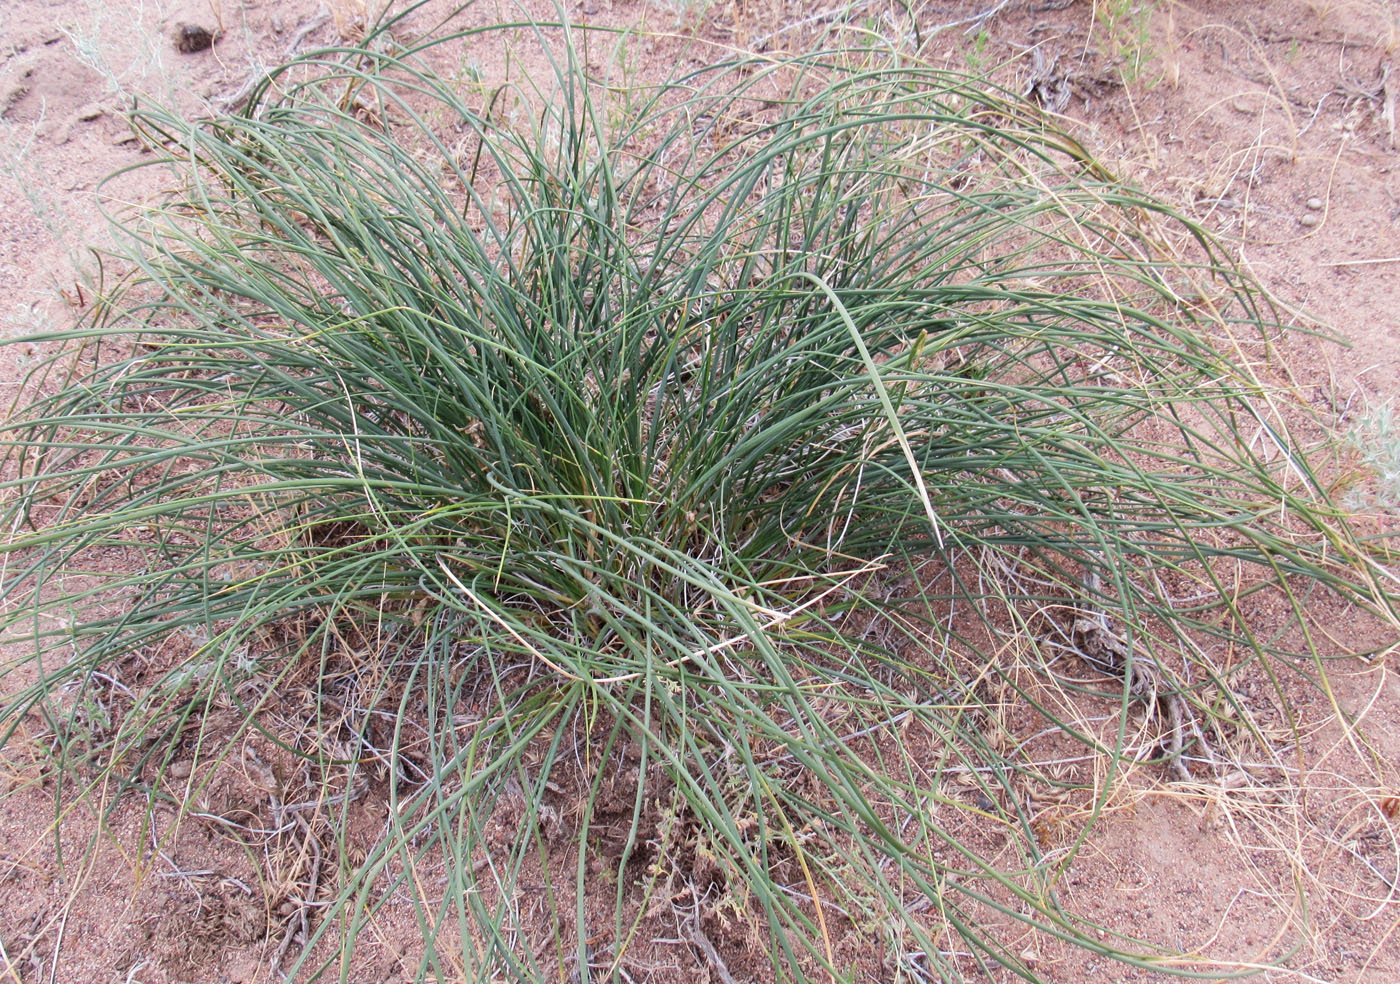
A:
(89, 111)
(190, 38)
(14, 80)
(1308, 221)
(1315, 204)
(180, 770)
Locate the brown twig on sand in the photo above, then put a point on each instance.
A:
(9, 967)
(302, 932)
(696, 934)
(1106, 649)
(1367, 262)
(1388, 87)
(235, 100)
(973, 22)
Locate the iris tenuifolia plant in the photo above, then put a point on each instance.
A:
(662, 492)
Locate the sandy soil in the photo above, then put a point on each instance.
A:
(1273, 124)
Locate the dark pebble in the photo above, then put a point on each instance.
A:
(190, 38)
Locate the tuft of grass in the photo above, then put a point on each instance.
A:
(1126, 28)
(1376, 436)
(129, 51)
(642, 482)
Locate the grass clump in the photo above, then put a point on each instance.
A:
(1376, 436)
(640, 482)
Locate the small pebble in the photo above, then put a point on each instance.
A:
(190, 38)
(1315, 204)
(1308, 221)
(89, 111)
